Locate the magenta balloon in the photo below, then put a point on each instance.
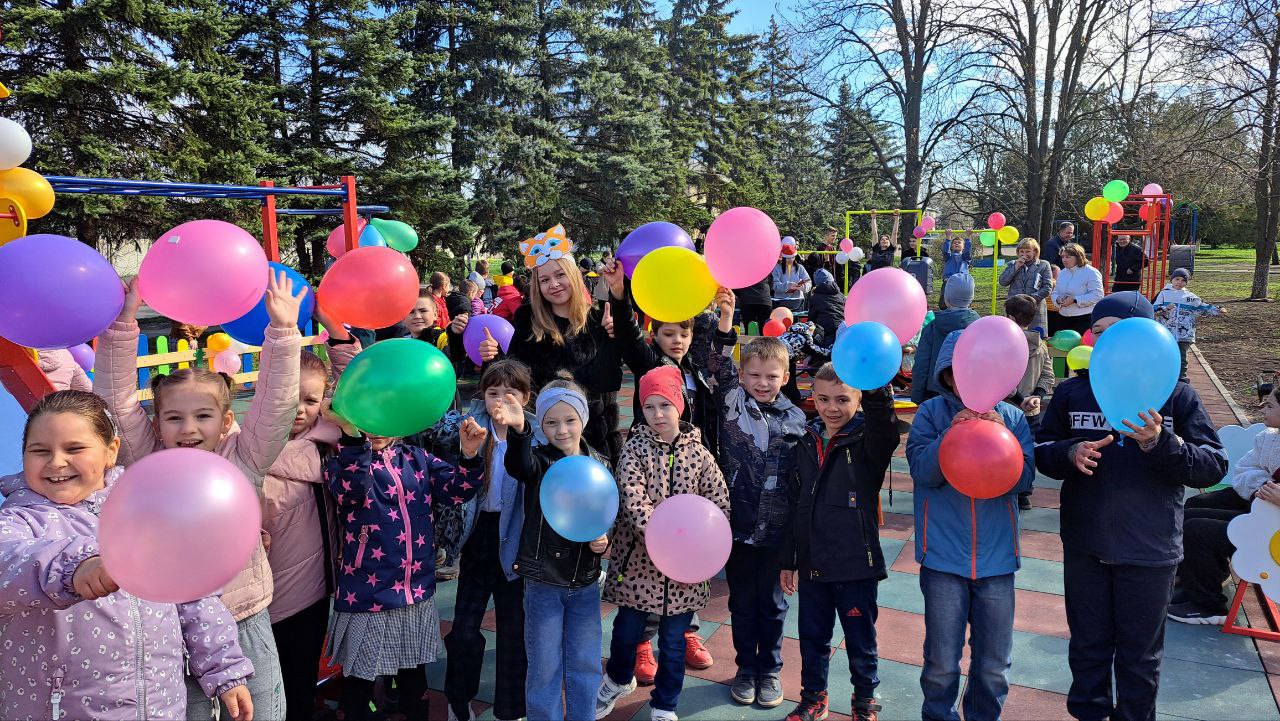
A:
(928, 223)
(1152, 189)
(890, 296)
(498, 326)
(688, 538)
(995, 221)
(55, 292)
(205, 272)
(990, 358)
(336, 243)
(742, 247)
(649, 237)
(179, 525)
(83, 354)
(919, 231)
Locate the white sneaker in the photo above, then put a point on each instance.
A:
(609, 694)
(471, 714)
(657, 714)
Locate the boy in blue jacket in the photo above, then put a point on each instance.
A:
(956, 254)
(1122, 527)
(968, 552)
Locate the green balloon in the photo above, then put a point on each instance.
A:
(987, 238)
(396, 388)
(398, 235)
(1115, 190)
(1062, 340)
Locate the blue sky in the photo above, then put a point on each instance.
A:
(753, 15)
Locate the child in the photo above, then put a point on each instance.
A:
(800, 340)
(511, 296)
(1122, 527)
(562, 631)
(759, 431)
(385, 620)
(826, 304)
(832, 551)
(663, 457)
(193, 410)
(968, 552)
(1178, 309)
(1198, 597)
(60, 367)
(490, 540)
(1037, 379)
(956, 259)
(57, 600)
(957, 316)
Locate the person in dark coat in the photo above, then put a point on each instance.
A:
(1129, 262)
(826, 307)
(756, 302)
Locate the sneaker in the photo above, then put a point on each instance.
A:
(471, 715)
(769, 691)
(696, 655)
(1188, 612)
(744, 688)
(1024, 501)
(609, 694)
(646, 664)
(657, 714)
(813, 707)
(865, 709)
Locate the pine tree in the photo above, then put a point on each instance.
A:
(855, 178)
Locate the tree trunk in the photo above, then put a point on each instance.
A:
(1264, 184)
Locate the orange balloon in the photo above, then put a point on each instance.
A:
(29, 188)
(981, 459)
(773, 328)
(371, 287)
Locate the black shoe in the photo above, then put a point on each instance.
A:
(1188, 612)
(1024, 501)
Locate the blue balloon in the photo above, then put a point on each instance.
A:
(370, 237)
(579, 498)
(251, 327)
(866, 355)
(1134, 368)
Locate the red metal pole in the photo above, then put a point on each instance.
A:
(270, 239)
(349, 228)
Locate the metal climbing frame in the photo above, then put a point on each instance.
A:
(1154, 234)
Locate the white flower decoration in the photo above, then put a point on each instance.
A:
(1256, 536)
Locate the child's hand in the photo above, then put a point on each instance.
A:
(471, 435)
(91, 580)
(1146, 434)
(600, 545)
(1031, 406)
(1086, 454)
(787, 579)
(615, 277)
(266, 539)
(336, 330)
(510, 413)
(964, 415)
(607, 320)
(725, 301)
(488, 347)
(459, 323)
(282, 305)
(132, 301)
(239, 703)
(1269, 492)
(336, 418)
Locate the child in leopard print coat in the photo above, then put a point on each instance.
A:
(662, 458)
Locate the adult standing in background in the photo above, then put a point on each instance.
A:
(1053, 248)
(1079, 288)
(884, 247)
(1129, 262)
(815, 261)
(1029, 275)
(756, 302)
(789, 280)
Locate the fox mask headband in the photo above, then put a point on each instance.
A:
(546, 246)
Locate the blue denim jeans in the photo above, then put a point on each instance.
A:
(562, 637)
(628, 631)
(985, 607)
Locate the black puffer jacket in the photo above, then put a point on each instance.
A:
(759, 294)
(546, 556)
(826, 310)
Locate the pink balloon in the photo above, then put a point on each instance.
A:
(920, 231)
(890, 296)
(1152, 189)
(336, 244)
(742, 247)
(179, 525)
(1115, 214)
(846, 245)
(989, 361)
(205, 272)
(928, 223)
(1087, 338)
(227, 362)
(995, 221)
(688, 538)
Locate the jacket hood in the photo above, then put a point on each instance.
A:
(296, 462)
(689, 435)
(17, 493)
(826, 287)
(817, 427)
(944, 362)
(1033, 339)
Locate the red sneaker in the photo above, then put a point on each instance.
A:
(696, 655)
(865, 709)
(646, 664)
(812, 707)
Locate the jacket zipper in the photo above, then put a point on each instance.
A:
(408, 529)
(364, 539)
(135, 614)
(973, 518)
(671, 477)
(924, 532)
(56, 694)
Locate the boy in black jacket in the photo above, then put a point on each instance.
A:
(1122, 527)
(831, 551)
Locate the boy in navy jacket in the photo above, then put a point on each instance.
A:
(968, 552)
(1122, 527)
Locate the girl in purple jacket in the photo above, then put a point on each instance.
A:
(77, 647)
(385, 620)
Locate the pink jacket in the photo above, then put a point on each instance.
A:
(254, 447)
(111, 659)
(63, 372)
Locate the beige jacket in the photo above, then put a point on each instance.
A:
(253, 447)
(1039, 372)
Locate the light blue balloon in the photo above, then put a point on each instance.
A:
(579, 498)
(1134, 368)
(866, 355)
(370, 237)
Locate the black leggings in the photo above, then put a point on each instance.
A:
(411, 683)
(300, 639)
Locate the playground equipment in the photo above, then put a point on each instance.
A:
(1154, 235)
(888, 214)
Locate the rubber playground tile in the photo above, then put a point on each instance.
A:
(901, 591)
(906, 560)
(898, 693)
(897, 525)
(1213, 693)
(1038, 575)
(435, 671)
(1039, 519)
(1209, 645)
(1037, 544)
(1040, 662)
(1032, 704)
(902, 501)
(717, 608)
(702, 700)
(1045, 497)
(1041, 613)
(900, 637)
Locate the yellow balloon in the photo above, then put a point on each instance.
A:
(218, 342)
(1097, 208)
(1008, 235)
(30, 189)
(672, 284)
(1078, 358)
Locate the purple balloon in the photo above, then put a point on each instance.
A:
(498, 327)
(83, 354)
(647, 238)
(55, 292)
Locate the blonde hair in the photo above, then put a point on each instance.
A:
(764, 349)
(1076, 251)
(1029, 243)
(544, 324)
(310, 363)
(221, 383)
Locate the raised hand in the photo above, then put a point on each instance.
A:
(336, 418)
(459, 323)
(282, 304)
(471, 435)
(613, 275)
(1148, 433)
(132, 301)
(91, 580)
(488, 347)
(510, 413)
(724, 302)
(607, 321)
(1086, 454)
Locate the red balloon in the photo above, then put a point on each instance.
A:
(773, 328)
(372, 287)
(1115, 214)
(995, 221)
(981, 459)
(1087, 338)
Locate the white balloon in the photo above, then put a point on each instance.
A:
(15, 144)
(856, 254)
(842, 257)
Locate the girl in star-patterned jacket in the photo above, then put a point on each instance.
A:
(385, 621)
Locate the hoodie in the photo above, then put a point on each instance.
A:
(1179, 310)
(826, 308)
(969, 537)
(509, 299)
(923, 383)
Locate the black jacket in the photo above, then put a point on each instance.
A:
(759, 294)
(832, 529)
(881, 258)
(826, 310)
(1130, 260)
(545, 556)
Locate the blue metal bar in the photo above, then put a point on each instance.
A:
(361, 210)
(115, 186)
